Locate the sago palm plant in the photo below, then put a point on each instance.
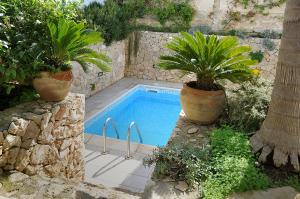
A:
(70, 41)
(210, 58)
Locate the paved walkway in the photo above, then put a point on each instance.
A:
(112, 169)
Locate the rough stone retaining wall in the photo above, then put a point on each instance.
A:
(44, 138)
(93, 81)
(214, 12)
(148, 46)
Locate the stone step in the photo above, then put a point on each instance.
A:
(96, 142)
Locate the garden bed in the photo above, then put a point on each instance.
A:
(213, 162)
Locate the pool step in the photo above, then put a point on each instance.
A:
(116, 146)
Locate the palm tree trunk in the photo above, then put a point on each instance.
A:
(280, 132)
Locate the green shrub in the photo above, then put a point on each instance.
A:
(269, 44)
(113, 19)
(181, 162)
(258, 56)
(248, 105)
(271, 34)
(233, 166)
(180, 13)
(25, 34)
(116, 20)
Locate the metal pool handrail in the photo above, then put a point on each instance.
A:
(132, 124)
(104, 132)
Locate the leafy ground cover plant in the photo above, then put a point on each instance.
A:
(180, 162)
(268, 44)
(233, 166)
(225, 166)
(258, 56)
(248, 105)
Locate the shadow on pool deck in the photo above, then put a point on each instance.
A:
(112, 169)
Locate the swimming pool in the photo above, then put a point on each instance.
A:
(154, 109)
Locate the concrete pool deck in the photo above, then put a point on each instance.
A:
(112, 170)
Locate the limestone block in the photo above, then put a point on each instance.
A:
(23, 159)
(45, 120)
(43, 154)
(46, 136)
(53, 170)
(1, 138)
(61, 112)
(3, 160)
(63, 154)
(32, 170)
(65, 144)
(28, 143)
(62, 132)
(34, 117)
(32, 131)
(11, 141)
(12, 155)
(18, 127)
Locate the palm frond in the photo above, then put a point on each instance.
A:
(210, 58)
(71, 42)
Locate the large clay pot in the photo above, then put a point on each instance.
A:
(53, 87)
(202, 106)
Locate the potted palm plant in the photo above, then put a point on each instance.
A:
(211, 59)
(69, 42)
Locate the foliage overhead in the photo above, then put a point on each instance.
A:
(210, 58)
(70, 41)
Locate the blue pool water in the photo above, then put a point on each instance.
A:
(155, 110)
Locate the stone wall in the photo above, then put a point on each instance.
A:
(213, 13)
(44, 138)
(148, 46)
(93, 81)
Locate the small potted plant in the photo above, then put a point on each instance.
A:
(211, 59)
(70, 41)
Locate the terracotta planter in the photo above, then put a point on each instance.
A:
(202, 106)
(53, 87)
